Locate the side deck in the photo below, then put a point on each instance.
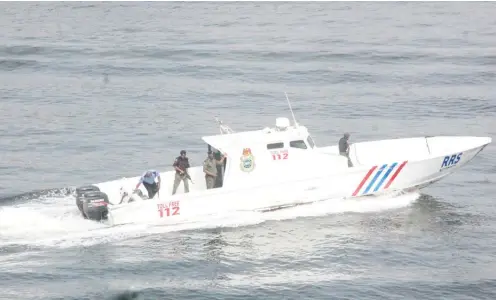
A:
(411, 149)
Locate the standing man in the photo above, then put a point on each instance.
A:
(181, 164)
(151, 181)
(210, 169)
(220, 167)
(344, 148)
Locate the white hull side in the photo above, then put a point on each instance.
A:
(112, 188)
(353, 182)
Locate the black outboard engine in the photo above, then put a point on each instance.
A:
(92, 202)
(79, 195)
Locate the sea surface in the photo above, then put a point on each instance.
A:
(96, 91)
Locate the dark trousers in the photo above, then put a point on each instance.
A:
(218, 179)
(152, 189)
(347, 155)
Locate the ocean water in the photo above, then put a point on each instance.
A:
(94, 91)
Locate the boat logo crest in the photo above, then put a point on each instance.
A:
(247, 161)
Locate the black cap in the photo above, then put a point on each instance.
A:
(183, 151)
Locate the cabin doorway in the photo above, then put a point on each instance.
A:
(219, 180)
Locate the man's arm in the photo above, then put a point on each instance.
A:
(221, 161)
(157, 175)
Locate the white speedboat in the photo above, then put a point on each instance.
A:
(280, 167)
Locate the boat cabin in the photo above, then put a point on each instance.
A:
(269, 155)
(281, 154)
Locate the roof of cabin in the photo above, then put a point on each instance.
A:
(250, 138)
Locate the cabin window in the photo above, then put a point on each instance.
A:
(298, 144)
(310, 142)
(275, 146)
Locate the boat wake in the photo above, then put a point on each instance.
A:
(52, 219)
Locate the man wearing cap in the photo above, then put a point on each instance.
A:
(344, 148)
(181, 164)
(210, 169)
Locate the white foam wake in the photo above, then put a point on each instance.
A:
(57, 222)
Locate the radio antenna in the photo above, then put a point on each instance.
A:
(291, 109)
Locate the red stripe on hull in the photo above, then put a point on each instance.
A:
(364, 180)
(395, 174)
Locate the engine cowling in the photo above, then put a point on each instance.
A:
(95, 205)
(79, 196)
(92, 203)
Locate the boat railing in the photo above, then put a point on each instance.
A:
(427, 143)
(224, 129)
(356, 154)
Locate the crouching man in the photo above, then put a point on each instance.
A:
(151, 181)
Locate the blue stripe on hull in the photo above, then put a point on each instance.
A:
(378, 186)
(374, 179)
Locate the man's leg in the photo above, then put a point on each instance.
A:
(149, 189)
(210, 182)
(152, 191)
(177, 180)
(350, 164)
(186, 185)
(218, 179)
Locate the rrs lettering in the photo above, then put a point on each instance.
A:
(279, 155)
(451, 160)
(168, 209)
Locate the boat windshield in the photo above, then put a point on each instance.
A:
(310, 142)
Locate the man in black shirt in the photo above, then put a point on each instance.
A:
(181, 164)
(344, 148)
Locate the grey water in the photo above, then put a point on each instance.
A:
(95, 91)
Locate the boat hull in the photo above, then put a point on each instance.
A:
(358, 181)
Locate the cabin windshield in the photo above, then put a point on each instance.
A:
(300, 144)
(310, 142)
(275, 146)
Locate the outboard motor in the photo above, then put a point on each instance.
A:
(95, 205)
(79, 195)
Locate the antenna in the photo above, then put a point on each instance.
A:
(291, 109)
